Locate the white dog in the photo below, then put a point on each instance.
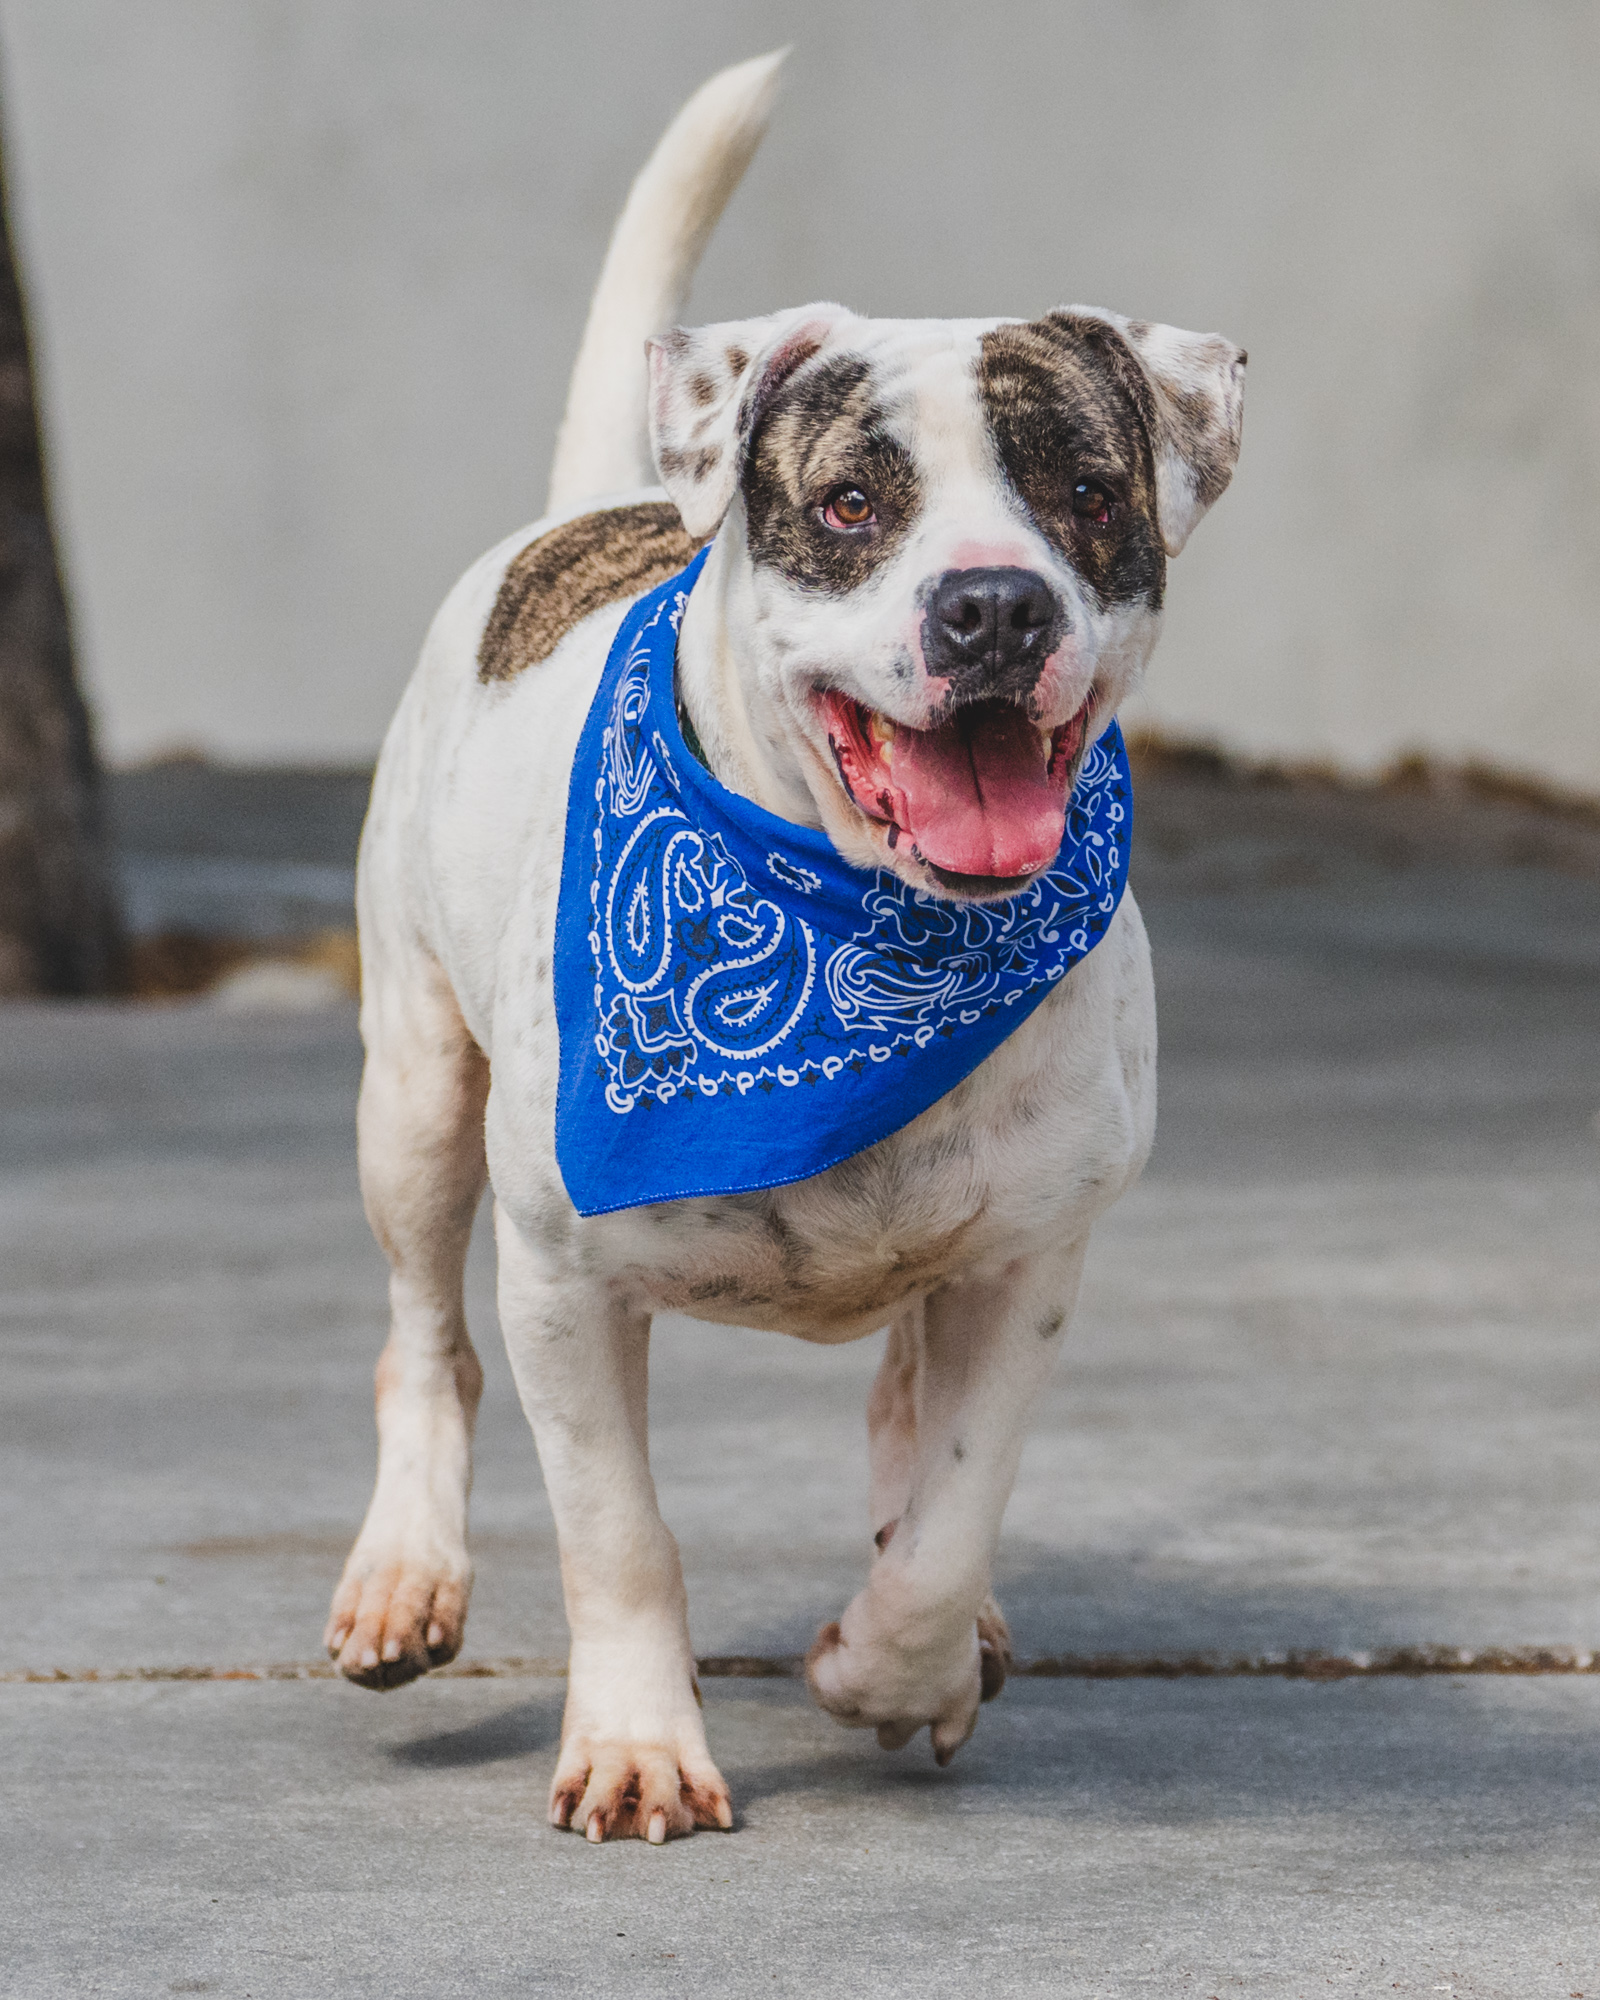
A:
(936, 565)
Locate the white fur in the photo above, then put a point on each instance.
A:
(964, 1232)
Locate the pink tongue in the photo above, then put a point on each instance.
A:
(978, 795)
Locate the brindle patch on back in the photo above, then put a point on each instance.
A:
(1067, 401)
(576, 569)
(824, 428)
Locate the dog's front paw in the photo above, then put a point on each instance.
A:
(393, 1618)
(869, 1678)
(644, 1791)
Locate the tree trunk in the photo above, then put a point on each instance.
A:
(59, 932)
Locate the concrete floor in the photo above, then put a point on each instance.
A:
(1333, 1388)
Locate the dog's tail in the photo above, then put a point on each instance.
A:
(671, 210)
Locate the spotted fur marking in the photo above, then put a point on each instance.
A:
(1206, 444)
(573, 571)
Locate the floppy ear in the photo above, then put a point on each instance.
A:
(708, 387)
(1197, 382)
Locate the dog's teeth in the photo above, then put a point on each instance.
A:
(881, 730)
(1047, 737)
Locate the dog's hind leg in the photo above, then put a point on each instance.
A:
(402, 1603)
(633, 1757)
(947, 1419)
(892, 1424)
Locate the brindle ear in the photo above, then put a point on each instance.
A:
(708, 387)
(1198, 385)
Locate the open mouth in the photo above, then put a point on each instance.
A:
(982, 798)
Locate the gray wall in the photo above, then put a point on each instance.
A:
(308, 274)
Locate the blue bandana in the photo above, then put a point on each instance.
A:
(738, 1006)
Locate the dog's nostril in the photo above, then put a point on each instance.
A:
(969, 617)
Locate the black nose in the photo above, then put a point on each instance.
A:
(991, 630)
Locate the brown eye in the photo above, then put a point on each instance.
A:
(1091, 502)
(847, 507)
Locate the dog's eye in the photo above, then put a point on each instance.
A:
(1091, 502)
(847, 507)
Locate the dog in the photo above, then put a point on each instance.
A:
(936, 558)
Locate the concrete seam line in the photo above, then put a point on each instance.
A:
(1413, 1661)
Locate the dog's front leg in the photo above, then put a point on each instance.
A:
(920, 1643)
(401, 1604)
(633, 1747)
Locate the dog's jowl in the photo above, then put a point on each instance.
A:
(742, 899)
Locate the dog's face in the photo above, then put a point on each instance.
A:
(948, 545)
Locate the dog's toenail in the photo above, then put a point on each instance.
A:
(595, 1830)
(391, 1649)
(658, 1829)
(369, 1658)
(436, 1634)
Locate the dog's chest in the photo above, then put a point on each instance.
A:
(828, 1260)
(1034, 1144)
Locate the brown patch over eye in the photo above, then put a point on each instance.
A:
(1072, 418)
(824, 433)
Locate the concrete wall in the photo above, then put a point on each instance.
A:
(308, 274)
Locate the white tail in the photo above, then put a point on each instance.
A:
(671, 210)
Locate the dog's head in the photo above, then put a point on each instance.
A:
(950, 543)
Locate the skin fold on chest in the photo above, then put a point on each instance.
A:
(1023, 1153)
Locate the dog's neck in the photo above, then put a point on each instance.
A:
(738, 726)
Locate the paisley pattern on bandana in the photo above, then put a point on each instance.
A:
(738, 1006)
